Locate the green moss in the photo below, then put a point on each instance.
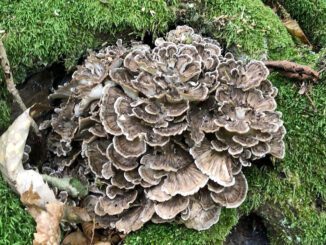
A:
(40, 33)
(251, 26)
(303, 166)
(4, 108)
(16, 226)
(311, 15)
(176, 234)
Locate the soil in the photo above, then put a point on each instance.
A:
(250, 230)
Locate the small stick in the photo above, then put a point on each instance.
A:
(11, 85)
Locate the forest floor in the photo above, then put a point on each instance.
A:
(289, 196)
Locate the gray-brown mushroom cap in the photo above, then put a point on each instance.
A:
(119, 161)
(135, 217)
(119, 203)
(216, 165)
(107, 114)
(155, 193)
(171, 158)
(198, 218)
(126, 148)
(233, 196)
(171, 208)
(186, 181)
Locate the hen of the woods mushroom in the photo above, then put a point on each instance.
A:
(162, 134)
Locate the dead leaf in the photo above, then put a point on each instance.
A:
(12, 144)
(30, 197)
(303, 89)
(295, 30)
(76, 214)
(75, 238)
(89, 231)
(47, 225)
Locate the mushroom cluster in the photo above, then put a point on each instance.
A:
(162, 134)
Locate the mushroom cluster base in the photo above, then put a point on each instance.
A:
(162, 134)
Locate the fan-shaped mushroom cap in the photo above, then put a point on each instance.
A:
(122, 106)
(127, 148)
(64, 122)
(95, 159)
(155, 193)
(175, 109)
(217, 165)
(98, 130)
(277, 149)
(260, 150)
(257, 101)
(132, 127)
(119, 203)
(219, 146)
(256, 72)
(153, 139)
(98, 209)
(133, 176)
(113, 191)
(107, 114)
(171, 208)
(245, 141)
(94, 94)
(151, 176)
(107, 170)
(122, 77)
(204, 219)
(145, 84)
(171, 158)
(205, 199)
(136, 217)
(233, 196)
(120, 181)
(185, 181)
(172, 129)
(120, 162)
(158, 220)
(196, 217)
(214, 187)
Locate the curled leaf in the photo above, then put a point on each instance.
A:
(75, 238)
(47, 224)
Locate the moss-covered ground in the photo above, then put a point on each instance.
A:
(42, 32)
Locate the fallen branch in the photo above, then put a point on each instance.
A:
(11, 85)
(293, 70)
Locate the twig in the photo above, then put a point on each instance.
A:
(311, 101)
(293, 70)
(11, 85)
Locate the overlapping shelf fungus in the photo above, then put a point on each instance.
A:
(162, 134)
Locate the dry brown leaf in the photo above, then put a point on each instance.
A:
(47, 225)
(75, 238)
(89, 230)
(12, 144)
(295, 30)
(76, 214)
(30, 197)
